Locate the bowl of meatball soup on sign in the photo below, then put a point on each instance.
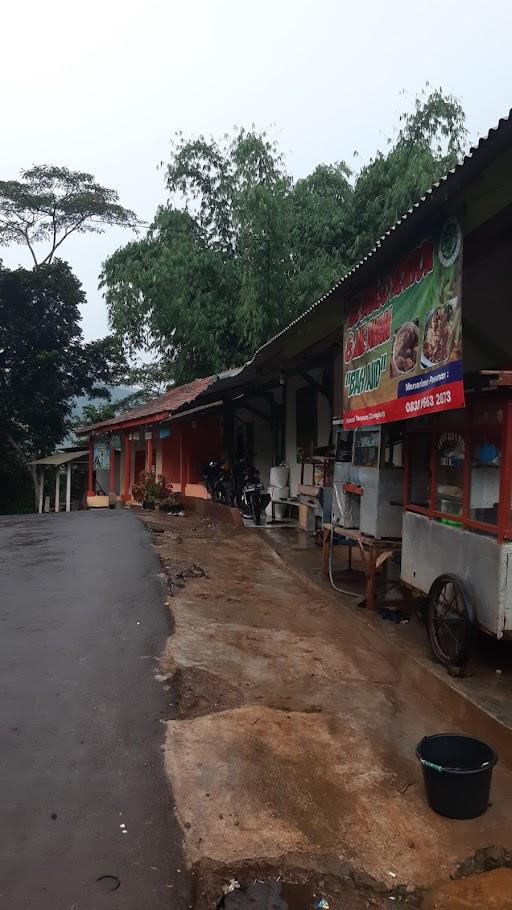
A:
(405, 348)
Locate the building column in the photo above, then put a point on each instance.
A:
(68, 488)
(41, 492)
(112, 469)
(182, 464)
(90, 459)
(127, 465)
(149, 454)
(57, 490)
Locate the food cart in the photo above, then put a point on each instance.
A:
(457, 523)
(403, 366)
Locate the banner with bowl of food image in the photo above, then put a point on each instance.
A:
(402, 344)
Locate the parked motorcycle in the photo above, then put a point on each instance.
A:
(250, 494)
(219, 484)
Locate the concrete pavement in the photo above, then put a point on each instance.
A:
(82, 623)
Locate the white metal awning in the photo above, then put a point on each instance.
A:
(61, 457)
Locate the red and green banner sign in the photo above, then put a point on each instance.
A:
(402, 345)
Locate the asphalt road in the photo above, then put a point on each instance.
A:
(82, 622)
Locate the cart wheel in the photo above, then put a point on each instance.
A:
(450, 621)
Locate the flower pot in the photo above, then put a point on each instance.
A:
(148, 505)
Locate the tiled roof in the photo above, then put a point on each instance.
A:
(166, 404)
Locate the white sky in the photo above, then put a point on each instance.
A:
(102, 86)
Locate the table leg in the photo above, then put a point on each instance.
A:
(325, 550)
(370, 581)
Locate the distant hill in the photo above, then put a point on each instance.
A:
(117, 392)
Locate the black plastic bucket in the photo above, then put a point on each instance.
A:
(457, 771)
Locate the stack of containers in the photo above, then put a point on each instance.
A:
(278, 489)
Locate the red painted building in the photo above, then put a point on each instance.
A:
(173, 435)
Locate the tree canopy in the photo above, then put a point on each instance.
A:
(49, 203)
(240, 248)
(44, 362)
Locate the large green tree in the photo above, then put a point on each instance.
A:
(44, 362)
(429, 142)
(240, 249)
(50, 202)
(209, 280)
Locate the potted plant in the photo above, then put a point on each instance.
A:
(151, 490)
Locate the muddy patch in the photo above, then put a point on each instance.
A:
(201, 692)
(295, 882)
(486, 891)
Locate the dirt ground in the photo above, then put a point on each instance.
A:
(293, 750)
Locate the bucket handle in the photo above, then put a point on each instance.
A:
(431, 765)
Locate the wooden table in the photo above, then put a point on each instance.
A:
(375, 552)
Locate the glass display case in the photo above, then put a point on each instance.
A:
(457, 470)
(367, 448)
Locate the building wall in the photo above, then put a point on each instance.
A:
(262, 430)
(158, 443)
(137, 445)
(170, 458)
(202, 442)
(181, 456)
(323, 426)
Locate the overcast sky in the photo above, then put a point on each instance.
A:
(101, 86)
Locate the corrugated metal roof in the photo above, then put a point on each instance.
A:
(60, 457)
(443, 188)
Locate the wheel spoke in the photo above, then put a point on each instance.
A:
(449, 620)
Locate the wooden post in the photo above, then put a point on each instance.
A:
(41, 491)
(326, 534)
(68, 488)
(57, 490)
(90, 489)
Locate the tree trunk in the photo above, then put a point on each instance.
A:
(30, 468)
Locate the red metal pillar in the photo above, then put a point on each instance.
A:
(112, 470)
(90, 459)
(127, 465)
(504, 506)
(182, 465)
(149, 454)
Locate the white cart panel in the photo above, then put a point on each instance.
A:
(430, 548)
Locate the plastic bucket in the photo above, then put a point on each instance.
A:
(279, 509)
(279, 475)
(279, 492)
(457, 771)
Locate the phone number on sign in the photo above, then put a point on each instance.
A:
(428, 401)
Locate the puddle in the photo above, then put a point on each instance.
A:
(273, 895)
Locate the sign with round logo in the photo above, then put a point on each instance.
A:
(450, 242)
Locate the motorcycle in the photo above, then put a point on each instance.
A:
(250, 495)
(219, 483)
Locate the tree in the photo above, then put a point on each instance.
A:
(240, 249)
(209, 281)
(321, 232)
(49, 203)
(92, 413)
(429, 143)
(44, 362)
